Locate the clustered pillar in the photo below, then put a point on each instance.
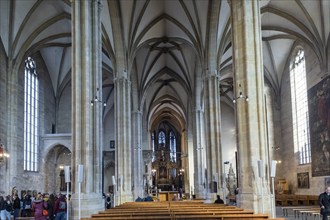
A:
(123, 138)
(212, 137)
(250, 115)
(86, 119)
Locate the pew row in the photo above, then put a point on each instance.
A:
(182, 217)
(176, 210)
(296, 200)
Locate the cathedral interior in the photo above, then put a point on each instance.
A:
(203, 96)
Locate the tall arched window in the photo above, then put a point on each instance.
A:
(300, 108)
(153, 146)
(31, 95)
(172, 147)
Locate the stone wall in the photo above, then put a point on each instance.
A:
(108, 129)
(46, 98)
(289, 167)
(51, 171)
(25, 180)
(228, 135)
(63, 123)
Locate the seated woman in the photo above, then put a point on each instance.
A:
(218, 200)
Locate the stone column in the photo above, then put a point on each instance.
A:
(212, 125)
(11, 141)
(199, 165)
(271, 144)
(250, 115)
(184, 159)
(198, 138)
(269, 114)
(273, 122)
(138, 161)
(123, 138)
(86, 119)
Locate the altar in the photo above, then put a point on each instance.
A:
(167, 174)
(167, 195)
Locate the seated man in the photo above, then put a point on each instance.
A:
(218, 200)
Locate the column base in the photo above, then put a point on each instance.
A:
(200, 193)
(247, 201)
(123, 196)
(89, 204)
(138, 192)
(211, 197)
(251, 201)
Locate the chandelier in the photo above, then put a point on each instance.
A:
(97, 99)
(240, 96)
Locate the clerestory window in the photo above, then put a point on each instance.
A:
(31, 95)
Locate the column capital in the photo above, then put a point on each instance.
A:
(121, 79)
(139, 148)
(137, 112)
(209, 74)
(200, 148)
(198, 109)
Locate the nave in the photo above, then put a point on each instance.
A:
(199, 96)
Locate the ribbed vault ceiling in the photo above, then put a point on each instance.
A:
(165, 42)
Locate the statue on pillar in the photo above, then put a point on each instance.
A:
(231, 181)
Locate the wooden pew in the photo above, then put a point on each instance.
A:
(313, 200)
(175, 210)
(226, 217)
(280, 200)
(173, 214)
(202, 214)
(25, 218)
(221, 217)
(136, 209)
(302, 200)
(132, 214)
(133, 217)
(203, 208)
(293, 200)
(131, 211)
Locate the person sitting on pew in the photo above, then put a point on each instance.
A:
(108, 201)
(219, 200)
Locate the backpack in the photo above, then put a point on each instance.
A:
(139, 199)
(9, 207)
(28, 203)
(148, 199)
(62, 205)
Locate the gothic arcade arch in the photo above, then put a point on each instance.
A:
(55, 154)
